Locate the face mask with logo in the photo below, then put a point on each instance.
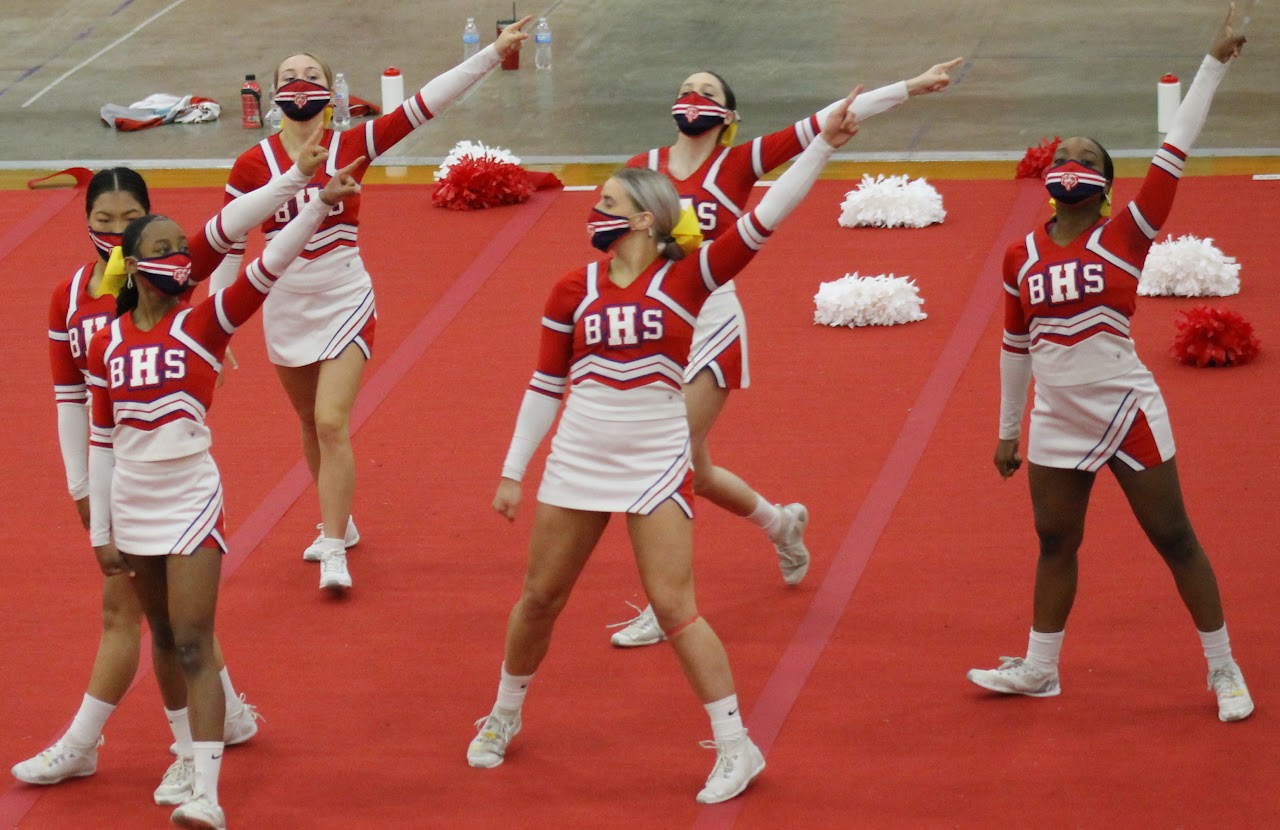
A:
(301, 100)
(169, 274)
(696, 114)
(1072, 183)
(104, 242)
(604, 229)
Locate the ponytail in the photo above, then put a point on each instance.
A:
(127, 299)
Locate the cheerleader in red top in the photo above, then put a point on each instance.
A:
(714, 179)
(82, 305)
(319, 322)
(616, 338)
(155, 494)
(1071, 288)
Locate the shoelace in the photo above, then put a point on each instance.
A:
(177, 771)
(1225, 680)
(495, 734)
(334, 563)
(724, 760)
(252, 710)
(641, 615)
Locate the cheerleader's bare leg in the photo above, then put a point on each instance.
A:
(120, 646)
(663, 543)
(560, 544)
(704, 401)
(1060, 500)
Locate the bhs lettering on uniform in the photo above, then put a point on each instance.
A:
(623, 325)
(141, 367)
(705, 211)
(1065, 282)
(294, 206)
(89, 326)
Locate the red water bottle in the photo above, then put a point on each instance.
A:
(251, 104)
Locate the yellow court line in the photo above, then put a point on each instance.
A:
(593, 174)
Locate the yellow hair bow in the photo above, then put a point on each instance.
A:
(114, 275)
(729, 134)
(688, 232)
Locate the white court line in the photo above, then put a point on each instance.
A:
(103, 51)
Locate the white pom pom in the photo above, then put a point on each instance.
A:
(882, 300)
(1188, 267)
(473, 149)
(893, 202)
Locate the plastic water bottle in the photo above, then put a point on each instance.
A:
(250, 104)
(542, 42)
(274, 117)
(341, 103)
(470, 38)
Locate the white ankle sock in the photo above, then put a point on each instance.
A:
(89, 721)
(1217, 647)
(1043, 649)
(180, 725)
(766, 516)
(228, 691)
(726, 720)
(208, 764)
(511, 691)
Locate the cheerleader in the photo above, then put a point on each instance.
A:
(82, 305)
(714, 179)
(155, 505)
(319, 322)
(1071, 288)
(615, 339)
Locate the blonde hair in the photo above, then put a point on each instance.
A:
(324, 67)
(652, 192)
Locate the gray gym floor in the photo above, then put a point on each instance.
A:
(1033, 69)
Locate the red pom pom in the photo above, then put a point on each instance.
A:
(1214, 337)
(1038, 159)
(477, 182)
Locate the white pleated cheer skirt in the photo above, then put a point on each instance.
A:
(1082, 427)
(613, 466)
(167, 507)
(302, 329)
(720, 341)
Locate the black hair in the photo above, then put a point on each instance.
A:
(1108, 166)
(115, 179)
(127, 299)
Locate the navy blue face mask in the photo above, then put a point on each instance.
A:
(170, 274)
(606, 229)
(696, 114)
(301, 100)
(1072, 183)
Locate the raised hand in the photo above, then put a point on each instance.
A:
(1227, 44)
(842, 124)
(512, 36)
(312, 155)
(343, 184)
(935, 79)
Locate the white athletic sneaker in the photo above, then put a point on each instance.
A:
(239, 725)
(175, 787)
(1234, 702)
(489, 747)
(334, 575)
(351, 538)
(793, 556)
(58, 763)
(1017, 677)
(736, 764)
(643, 630)
(199, 813)
(241, 721)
